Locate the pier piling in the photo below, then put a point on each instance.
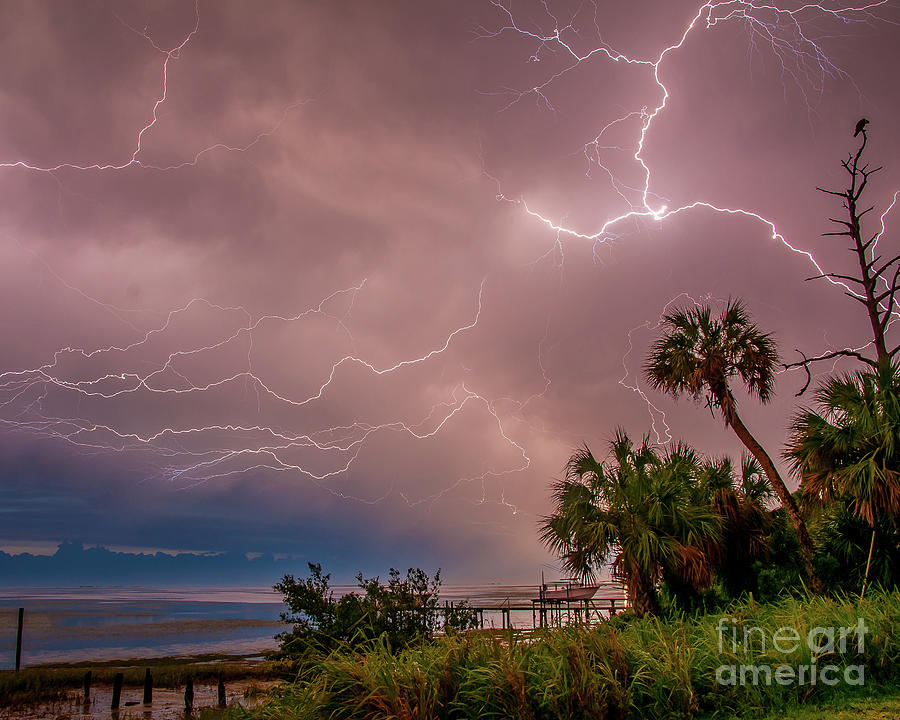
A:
(19, 638)
(117, 691)
(189, 695)
(148, 687)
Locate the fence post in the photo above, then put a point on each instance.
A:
(189, 695)
(222, 702)
(117, 691)
(148, 687)
(87, 686)
(19, 638)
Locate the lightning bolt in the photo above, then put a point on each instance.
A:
(64, 398)
(172, 54)
(24, 393)
(801, 58)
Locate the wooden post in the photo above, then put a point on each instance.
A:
(189, 695)
(19, 638)
(117, 691)
(148, 687)
(222, 702)
(87, 686)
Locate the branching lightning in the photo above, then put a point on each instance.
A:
(246, 448)
(781, 30)
(189, 454)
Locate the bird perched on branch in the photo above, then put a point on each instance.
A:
(860, 126)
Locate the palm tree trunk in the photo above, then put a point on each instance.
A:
(641, 593)
(787, 500)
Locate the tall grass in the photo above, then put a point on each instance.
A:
(626, 668)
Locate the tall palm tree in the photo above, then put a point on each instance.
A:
(699, 354)
(637, 510)
(850, 448)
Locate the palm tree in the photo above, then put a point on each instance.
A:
(850, 449)
(636, 510)
(745, 519)
(858, 553)
(699, 354)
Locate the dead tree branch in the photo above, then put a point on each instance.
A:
(877, 288)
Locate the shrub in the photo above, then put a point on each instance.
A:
(401, 612)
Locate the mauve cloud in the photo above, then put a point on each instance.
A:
(347, 182)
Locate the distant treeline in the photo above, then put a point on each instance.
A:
(72, 565)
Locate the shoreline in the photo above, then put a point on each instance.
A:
(54, 683)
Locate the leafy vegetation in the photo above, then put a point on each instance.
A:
(637, 511)
(629, 667)
(399, 613)
(681, 529)
(847, 453)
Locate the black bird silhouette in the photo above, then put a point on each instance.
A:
(860, 126)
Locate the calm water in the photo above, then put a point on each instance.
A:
(74, 624)
(69, 625)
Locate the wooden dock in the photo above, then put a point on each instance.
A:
(552, 612)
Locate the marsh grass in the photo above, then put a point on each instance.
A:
(625, 668)
(49, 683)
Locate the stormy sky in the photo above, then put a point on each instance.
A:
(289, 277)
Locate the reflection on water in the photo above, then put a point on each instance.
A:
(72, 625)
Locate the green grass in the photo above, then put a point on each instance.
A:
(57, 681)
(627, 668)
(878, 708)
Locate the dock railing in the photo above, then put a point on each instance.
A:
(547, 612)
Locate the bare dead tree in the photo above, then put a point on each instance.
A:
(875, 287)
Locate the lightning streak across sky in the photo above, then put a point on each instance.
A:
(779, 29)
(77, 396)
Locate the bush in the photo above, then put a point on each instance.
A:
(402, 612)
